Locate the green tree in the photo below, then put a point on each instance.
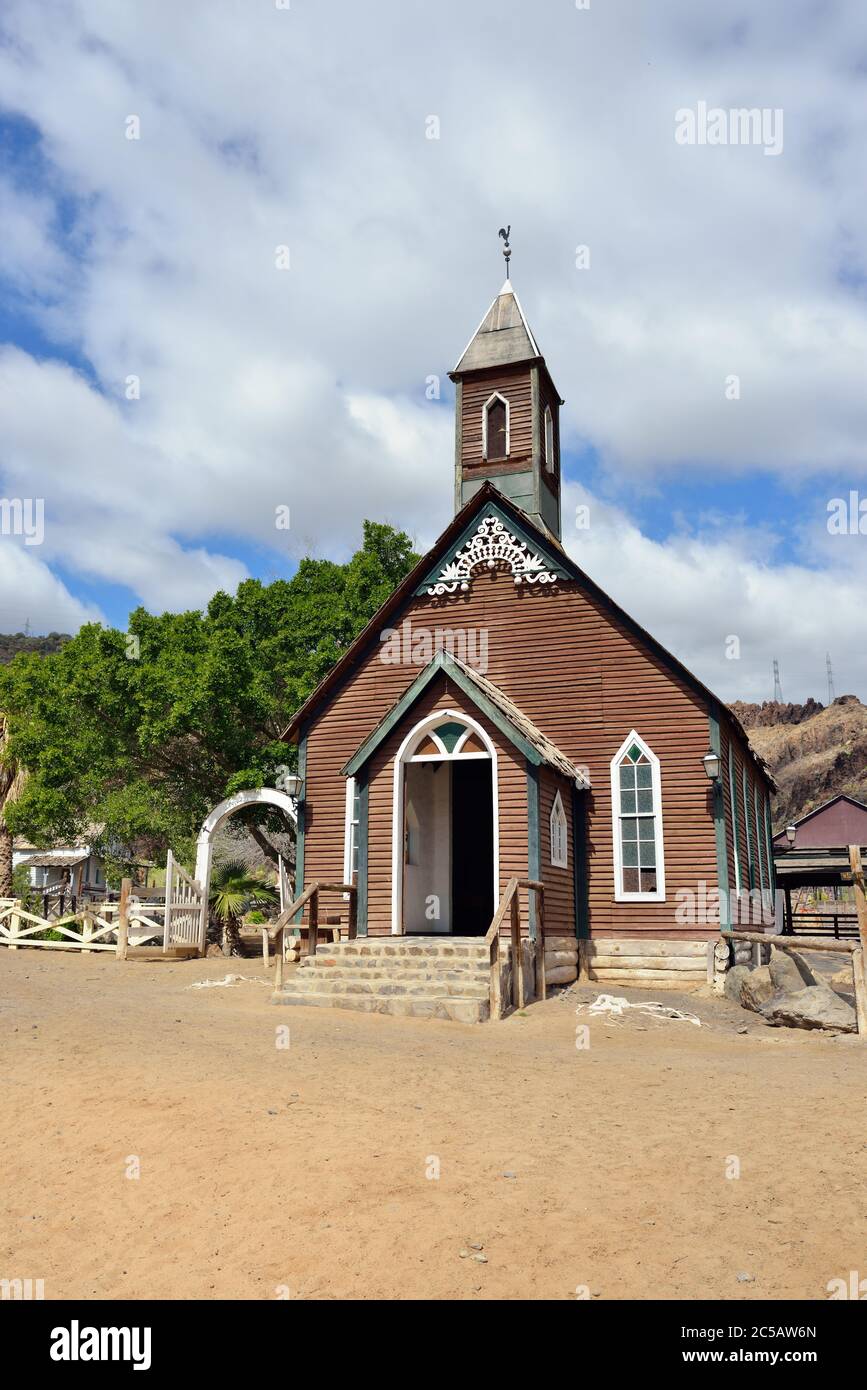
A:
(12, 781)
(133, 737)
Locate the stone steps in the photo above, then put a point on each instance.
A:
(419, 977)
(458, 1010)
(351, 984)
(377, 970)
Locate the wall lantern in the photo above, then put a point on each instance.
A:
(712, 763)
(791, 832)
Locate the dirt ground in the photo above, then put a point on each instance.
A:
(302, 1172)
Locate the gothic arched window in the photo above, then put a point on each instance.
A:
(549, 439)
(557, 826)
(636, 808)
(495, 427)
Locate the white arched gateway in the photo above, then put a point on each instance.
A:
(257, 796)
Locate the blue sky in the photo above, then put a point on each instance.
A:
(257, 129)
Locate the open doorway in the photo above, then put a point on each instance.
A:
(473, 904)
(447, 809)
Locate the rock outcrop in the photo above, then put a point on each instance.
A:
(787, 994)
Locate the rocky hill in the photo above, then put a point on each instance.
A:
(814, 751)
(11, 643)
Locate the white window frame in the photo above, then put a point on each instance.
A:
(348, 824)
(549, 439)
(558, 830)
(495, 396)
(620, 895)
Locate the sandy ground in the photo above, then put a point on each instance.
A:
(267, 1171)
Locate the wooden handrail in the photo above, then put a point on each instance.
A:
(510, 902)
(310, 895)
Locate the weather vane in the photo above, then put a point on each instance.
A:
(507, 250)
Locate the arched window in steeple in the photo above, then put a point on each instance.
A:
(549, 439)
(495, 427)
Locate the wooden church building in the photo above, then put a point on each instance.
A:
(502, 718)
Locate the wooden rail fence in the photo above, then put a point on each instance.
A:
(511, 903)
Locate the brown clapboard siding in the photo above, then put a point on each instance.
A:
(559, 907)
(586, 680)
(512, 383)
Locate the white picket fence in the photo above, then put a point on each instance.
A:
(86, 930)
(181, 920)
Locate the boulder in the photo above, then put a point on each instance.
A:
(790, 973)
(817, 1006)
(757, 988)
(734, 981)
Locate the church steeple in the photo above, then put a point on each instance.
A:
(507, 409)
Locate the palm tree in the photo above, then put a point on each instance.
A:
(12, 779)
(233, 890)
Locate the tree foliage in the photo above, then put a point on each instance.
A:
(131, 738)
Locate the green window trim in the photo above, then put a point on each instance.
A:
(745, 785)
(733, 798)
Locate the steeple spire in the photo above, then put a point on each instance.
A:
(507, 412)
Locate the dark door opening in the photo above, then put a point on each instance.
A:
(473, 904)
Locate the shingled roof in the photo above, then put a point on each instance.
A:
(502, 338)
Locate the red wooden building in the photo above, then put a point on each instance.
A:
(501, 717)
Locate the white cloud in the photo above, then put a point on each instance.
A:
(696, 592)
(306, 127)
(30, 595)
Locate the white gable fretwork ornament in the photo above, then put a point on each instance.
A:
(491, 545)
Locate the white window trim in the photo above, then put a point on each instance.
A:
(495, 396)
(347, 831)
(549, 439)
(558, 818)
(620, 896)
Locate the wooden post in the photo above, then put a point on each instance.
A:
(123, 919)
(859, 892)
(517, 954)
(278, 959)
(496, 983)
(14, 921)
(167, 930)
(86, 927)
(541, 981)
(860, 992)
(352, 926)
(313, 931)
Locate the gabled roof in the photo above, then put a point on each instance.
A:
(490, 700)
(503, 337)
(490, 499)
(839, 821)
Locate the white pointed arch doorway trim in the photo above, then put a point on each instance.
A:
(402, 757)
